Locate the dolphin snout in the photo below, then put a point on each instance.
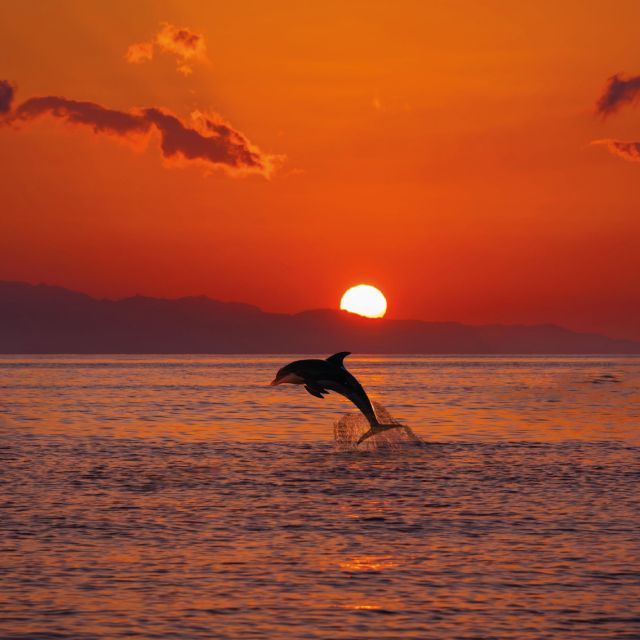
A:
(274, 382)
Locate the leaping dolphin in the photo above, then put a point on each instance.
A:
(321, 376)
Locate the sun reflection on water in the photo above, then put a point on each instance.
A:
(368, 563)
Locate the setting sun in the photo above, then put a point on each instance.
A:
(364, 300)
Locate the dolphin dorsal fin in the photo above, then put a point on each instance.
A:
(337, 358)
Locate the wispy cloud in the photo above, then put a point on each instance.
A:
(617, 92)
(206, 140)
(139, 52)
(186, 45)
(629, 151)
(6, 96)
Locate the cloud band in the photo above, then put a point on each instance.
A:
(209, 141)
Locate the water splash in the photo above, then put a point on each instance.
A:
(351, 426)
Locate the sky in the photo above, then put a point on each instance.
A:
(473, 160)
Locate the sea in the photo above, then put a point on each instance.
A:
(182, 497)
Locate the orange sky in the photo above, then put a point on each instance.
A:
(438, 150)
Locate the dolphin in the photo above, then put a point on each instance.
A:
(319, 377)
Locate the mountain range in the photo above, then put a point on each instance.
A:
(47, 319)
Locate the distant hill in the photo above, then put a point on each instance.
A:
(46, 319)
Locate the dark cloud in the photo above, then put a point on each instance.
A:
(209, 141)
(6, 96)
(629, 151)
(100, 119)
(617, 93)
(224, 146)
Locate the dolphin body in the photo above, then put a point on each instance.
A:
(321, 376)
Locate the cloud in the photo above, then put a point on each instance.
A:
(187, 45)
(100, 119)
(216, 145)
(629, 151)
(6, 96)
(139, 52)
(618, 92)
(209, 141)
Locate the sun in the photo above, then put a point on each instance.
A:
(364, 300)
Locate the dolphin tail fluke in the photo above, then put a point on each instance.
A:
(377, 429)
(365, 436)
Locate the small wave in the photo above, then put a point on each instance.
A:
(603, 378)
(352, 426)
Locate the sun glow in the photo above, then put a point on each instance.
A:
(364, 300)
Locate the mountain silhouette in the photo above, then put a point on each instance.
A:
(47, 319)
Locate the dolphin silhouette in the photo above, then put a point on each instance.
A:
(319, 377)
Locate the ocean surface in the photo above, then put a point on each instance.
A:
(183, 497)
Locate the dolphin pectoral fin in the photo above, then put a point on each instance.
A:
(338, 358)
(315, 391)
